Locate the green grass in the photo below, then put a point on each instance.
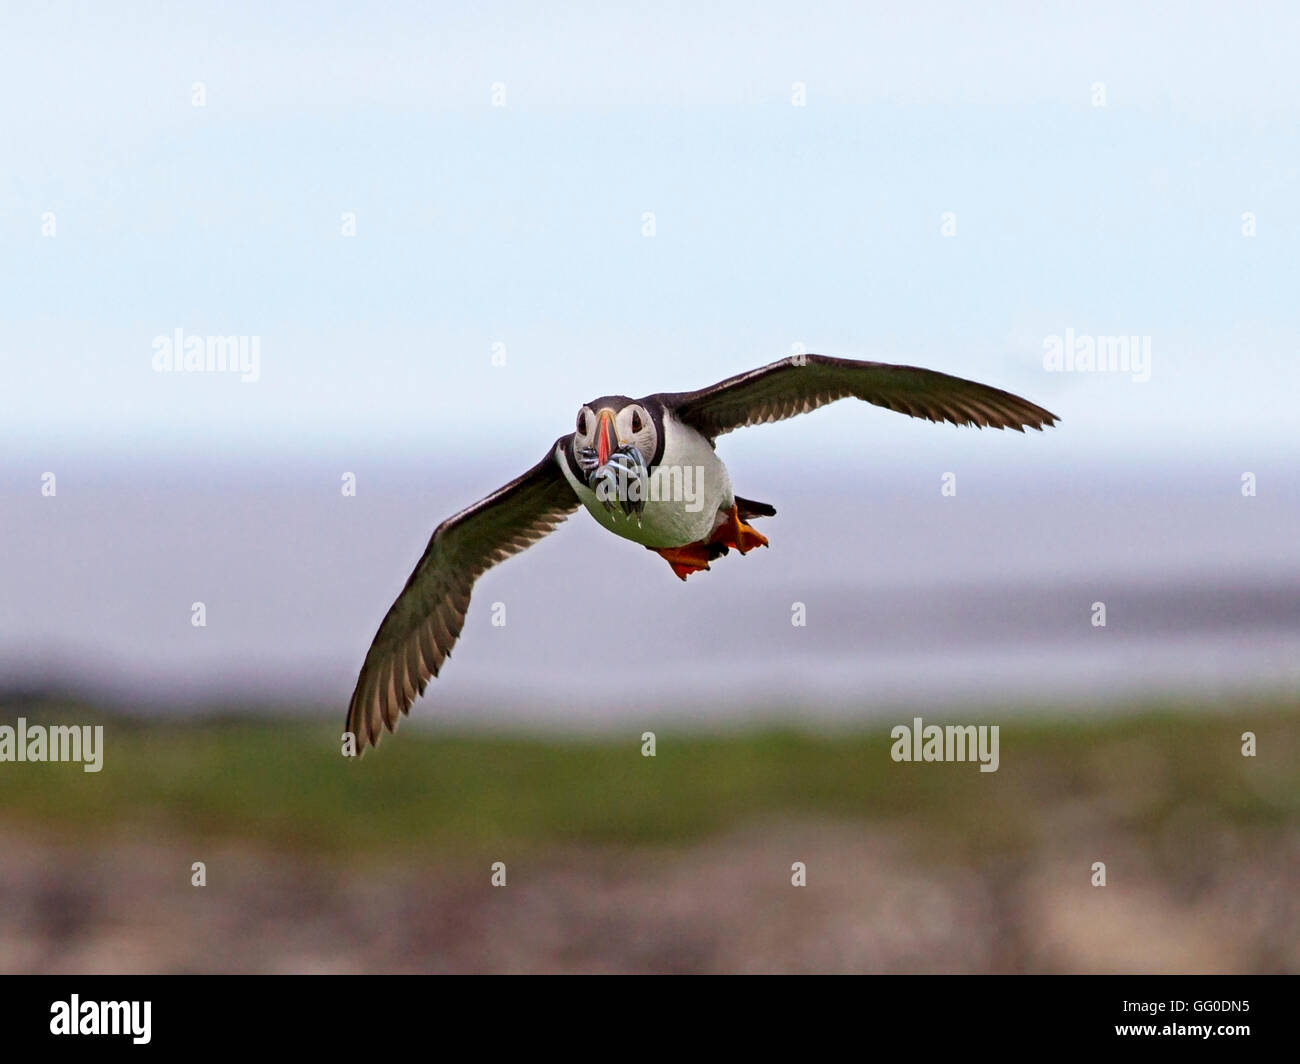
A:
(283, 783)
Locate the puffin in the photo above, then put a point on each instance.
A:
(647, 470)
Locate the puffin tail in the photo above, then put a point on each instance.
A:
(747, 509)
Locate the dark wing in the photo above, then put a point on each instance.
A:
(804, 382)
(421, 627)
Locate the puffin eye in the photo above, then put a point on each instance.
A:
(582, 422)
(636, 421)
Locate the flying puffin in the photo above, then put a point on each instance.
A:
(645, 469)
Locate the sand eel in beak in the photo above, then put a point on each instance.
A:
(645, 469)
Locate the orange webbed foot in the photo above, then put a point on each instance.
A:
(692, 558)
(733, 532)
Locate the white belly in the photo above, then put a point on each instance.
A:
(686, 492)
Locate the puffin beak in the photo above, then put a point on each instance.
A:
(606, 437)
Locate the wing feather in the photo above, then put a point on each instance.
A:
(423, 624)
(798, 385)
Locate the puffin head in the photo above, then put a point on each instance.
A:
(613, 422)
(616, 443)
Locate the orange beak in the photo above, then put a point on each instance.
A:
(606, 437)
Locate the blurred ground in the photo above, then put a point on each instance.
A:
(680, 863)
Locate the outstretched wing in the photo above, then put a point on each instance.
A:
(421, 627)
(805, 382)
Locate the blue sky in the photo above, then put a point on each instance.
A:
(522, 225)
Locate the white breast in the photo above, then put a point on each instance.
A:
(687, 490)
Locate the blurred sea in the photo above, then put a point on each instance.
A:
(985, 599)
